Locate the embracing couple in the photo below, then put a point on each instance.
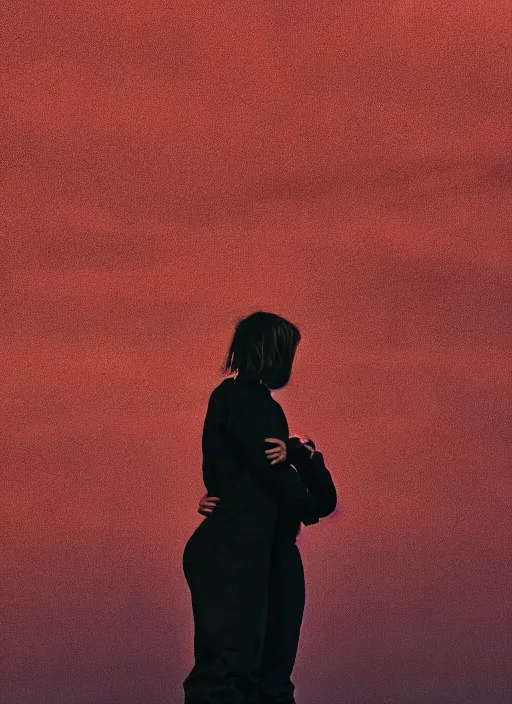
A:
(242, 564)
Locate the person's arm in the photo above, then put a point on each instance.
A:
(257, 420)
(314, 474)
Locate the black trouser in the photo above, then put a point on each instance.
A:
(258, 671)
(285, 610)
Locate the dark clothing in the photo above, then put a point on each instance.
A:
(286, 598)
(316, 478)
(227, 561)
(287, 591)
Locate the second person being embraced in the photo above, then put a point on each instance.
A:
(302, 454)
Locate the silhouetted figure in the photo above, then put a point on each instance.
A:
(242, 563)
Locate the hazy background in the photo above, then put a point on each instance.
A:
(169, 167)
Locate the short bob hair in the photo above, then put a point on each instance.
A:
(263, 347)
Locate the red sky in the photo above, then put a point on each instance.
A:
(169, 167)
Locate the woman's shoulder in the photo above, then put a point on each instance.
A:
(229, 398)
(234, 399)
(235, 387)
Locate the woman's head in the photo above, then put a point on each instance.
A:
(263, 347)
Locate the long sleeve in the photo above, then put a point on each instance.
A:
(258, 419)
(317, 478)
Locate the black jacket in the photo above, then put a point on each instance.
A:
(240, 415)
(316, 477)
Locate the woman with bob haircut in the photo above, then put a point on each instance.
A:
(242, 564)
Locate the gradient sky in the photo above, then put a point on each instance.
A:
(170, 167)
